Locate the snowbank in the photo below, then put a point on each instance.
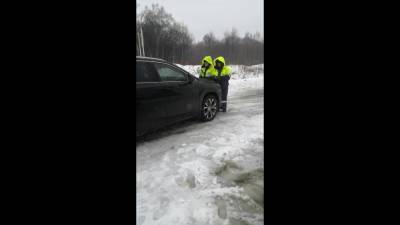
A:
(238, 71)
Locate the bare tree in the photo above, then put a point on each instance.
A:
(165, 38)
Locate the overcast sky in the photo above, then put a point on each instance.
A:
(218, 16)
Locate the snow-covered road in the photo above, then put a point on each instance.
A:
(206, 173)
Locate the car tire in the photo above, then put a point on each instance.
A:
(209, 108)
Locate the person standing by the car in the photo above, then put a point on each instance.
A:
(223, 74)
(207, 68)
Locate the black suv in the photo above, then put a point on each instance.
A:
(166, 94)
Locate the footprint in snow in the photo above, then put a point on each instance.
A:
(191, 180)
(221, 207)
(162, 209)
(141, 220)
(141, 210)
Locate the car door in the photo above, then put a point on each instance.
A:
(179, 90)
(150, 99)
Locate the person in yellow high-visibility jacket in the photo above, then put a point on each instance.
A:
(222, 75)
(207, 68)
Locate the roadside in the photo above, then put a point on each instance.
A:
(207, 173)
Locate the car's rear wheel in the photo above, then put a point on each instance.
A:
(209, 108)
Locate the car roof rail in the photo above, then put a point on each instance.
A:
(150, 58)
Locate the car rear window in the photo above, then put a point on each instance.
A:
(145, 72)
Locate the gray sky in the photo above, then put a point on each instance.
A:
(218, 16)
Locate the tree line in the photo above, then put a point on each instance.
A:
(167, 39)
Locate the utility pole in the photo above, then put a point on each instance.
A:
(141, 33)
(138, 43)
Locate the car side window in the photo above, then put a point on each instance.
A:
(145, 72)
(168, 73)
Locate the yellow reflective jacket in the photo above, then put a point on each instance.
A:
(207, 72)
(226, 70)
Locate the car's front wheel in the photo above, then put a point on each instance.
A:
(209, 108)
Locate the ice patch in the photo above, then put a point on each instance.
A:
(197, 173)
(226, 153)
(203, 150)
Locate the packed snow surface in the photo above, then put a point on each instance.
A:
(209, 173)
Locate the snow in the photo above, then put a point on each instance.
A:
(207, 173)
(238, 71)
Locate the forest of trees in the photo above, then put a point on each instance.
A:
(167, 39)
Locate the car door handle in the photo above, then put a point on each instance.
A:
(183, 84)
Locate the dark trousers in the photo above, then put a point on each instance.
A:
(224, 82)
